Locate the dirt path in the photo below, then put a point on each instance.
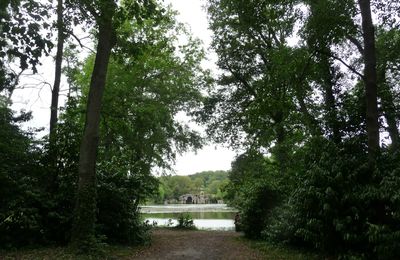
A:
(181, 244)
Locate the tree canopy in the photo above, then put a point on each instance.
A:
(147, 76)
(307, 92)
(304, 92)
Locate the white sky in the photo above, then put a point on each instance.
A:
(211, 157)
(36, 95)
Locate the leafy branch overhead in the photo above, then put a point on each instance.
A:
(24, 37)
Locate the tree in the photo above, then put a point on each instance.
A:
(83, 230)
(261, 100)
(370, 80)
(139, 131)
(292, 91)
(328, 23)
(251, 40)
(210, 182)
(137, 126)
(105, 14)
(57, 80)
(198, 184)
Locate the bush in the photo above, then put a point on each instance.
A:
(118, 213)
(252, 191)
(326, 198)
(185, 221)
(22, 200)
(281, 226)
(256, 208)
(337, 205)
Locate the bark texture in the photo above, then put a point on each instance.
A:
(57, 79)
(85, 209)
(370, 80)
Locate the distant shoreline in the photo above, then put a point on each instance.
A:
(177, 208)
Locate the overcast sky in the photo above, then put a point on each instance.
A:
(211, 157)
(36, 95)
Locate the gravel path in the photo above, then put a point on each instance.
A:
(184, 244)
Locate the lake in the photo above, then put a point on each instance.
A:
(205, 216)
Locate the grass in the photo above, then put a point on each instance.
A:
(65, 253)
(277, 252)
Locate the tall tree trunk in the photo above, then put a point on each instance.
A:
(57, 77)
(370, 80)
(85, 209)
(56, 89)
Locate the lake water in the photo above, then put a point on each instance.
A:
(205, 216)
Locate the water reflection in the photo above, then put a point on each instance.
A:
(204, 224)
(205, 216)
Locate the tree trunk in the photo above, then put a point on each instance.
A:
(370, 81)
(83, 232)
(56, 90)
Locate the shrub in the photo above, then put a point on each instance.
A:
(118, 216)
(252, 191)
(337, 205)
(255, 209)
(22, 200)
(185, 221)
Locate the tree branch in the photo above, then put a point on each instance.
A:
(343, 62)
(357, 43)
(71, 33)
(243, 81)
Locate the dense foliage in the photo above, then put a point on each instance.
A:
(21, 194)
(309, 90)
(149, 81)
(299, 93)
(22, 39)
